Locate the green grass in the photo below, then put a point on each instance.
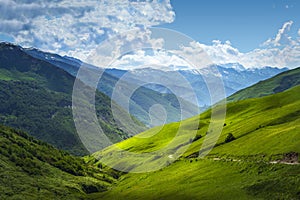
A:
(31, 169)
(253, 122)
(265, 129)
(279, 83)
(207, 179)
(7, 75)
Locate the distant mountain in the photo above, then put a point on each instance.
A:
(36, 96)
(31, 169)
(279, 83)
(140, 102)
(234, 76)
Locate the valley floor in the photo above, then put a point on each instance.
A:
(211, 178)
(260, 162)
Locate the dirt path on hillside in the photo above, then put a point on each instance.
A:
(291, 158)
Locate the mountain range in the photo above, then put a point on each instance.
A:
(140, 102)
(234, 79)
(190, 85)
(255, 157)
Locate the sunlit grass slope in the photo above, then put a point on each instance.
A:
(208, 179)
(264, 129)
(268, 125)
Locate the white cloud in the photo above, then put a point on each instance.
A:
(194, 54)
(221, 52)
(282, 37)
(157, 59)
(123, 44)
(281, 51)
(10, 25)
(76, 27)
(136, 53)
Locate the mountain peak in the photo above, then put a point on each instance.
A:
(236, 66)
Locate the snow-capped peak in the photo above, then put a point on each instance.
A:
(236, 66)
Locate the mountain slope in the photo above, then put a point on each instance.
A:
(36, 96)
(278, 83)
(234, 76)
(259, 162)
(244, 119)
(142, 99)
(31, 169)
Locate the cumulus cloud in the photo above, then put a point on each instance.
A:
(123, 45)
(75, 27)
(10, 25)
(280, 51)
(168, 51)
(282, 37)
(153, 59)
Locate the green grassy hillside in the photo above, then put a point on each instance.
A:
(278, 83)
(36, 96)
(264, 130)
(140, 102)
(31, 169)
(209, 179)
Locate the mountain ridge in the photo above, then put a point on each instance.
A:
(278, 83)
(142, 99)
(36, 96)
(32, 169)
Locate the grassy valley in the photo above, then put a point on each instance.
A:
(209, 179)
(149, 100)
(255, 164)
(244, 119)
(255, 157)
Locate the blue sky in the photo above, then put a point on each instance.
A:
(246, 23)
(253, 33)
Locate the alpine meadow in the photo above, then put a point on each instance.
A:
(149, 99)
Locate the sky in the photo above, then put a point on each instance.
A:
(253, 33)
(246, 24)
